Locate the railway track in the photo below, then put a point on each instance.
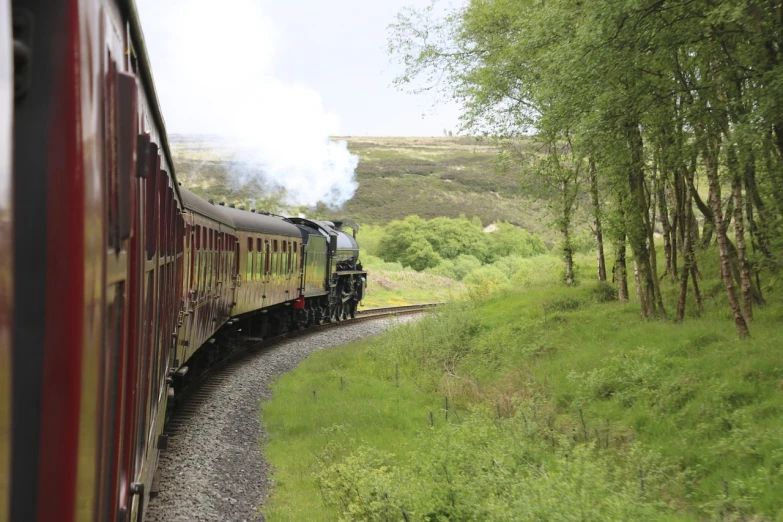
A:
(246, 345)
(213, 466)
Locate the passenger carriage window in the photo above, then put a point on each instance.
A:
(267, 259)
(275, 256)
(258, 268)
(220, 263)
(197, 255)
(296, 257)
(209, 261)
(235, 242)
(189, 235)
(249, 259)
(150, 197)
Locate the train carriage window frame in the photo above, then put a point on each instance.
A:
(258, 268)
(249, 267)
(220, 263)
(150, 198)
(235, 248)
(210, 261)
(188, 244)
(276, 258)
(296, 256)
(267, 258)
(197, 258)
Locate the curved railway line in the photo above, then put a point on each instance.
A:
(243, 346)
(213, 466)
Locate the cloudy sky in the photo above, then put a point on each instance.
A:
(316, 63)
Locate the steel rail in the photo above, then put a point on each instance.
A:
(245, 346)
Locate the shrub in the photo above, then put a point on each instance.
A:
(487, 276)
(486, 468)
(452, 239)
(420, 255)
(562, 304)
(510, 240)
(604, 293)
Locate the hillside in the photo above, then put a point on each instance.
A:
(534, 401)
(397, 177)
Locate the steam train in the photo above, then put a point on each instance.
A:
(117, 284)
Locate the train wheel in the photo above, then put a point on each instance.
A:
(353, 308)
(339, 312)
(319, 315)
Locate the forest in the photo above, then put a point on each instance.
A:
(660, 118)
(629, 370)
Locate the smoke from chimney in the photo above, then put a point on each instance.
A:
(214, 68)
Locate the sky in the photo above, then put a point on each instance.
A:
(325, 59)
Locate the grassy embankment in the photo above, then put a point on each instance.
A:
(562, 405)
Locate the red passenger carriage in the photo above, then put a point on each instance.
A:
(111, 276)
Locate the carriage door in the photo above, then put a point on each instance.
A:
(120, 134)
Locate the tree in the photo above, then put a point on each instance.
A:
(651, 95)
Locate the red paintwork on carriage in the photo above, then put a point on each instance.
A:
(110, 304)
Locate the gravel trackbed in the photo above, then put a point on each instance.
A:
(214, 467)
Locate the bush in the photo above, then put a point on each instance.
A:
(604, 293)
(457, 268)
(510, 240)
(461, 240)
(487, 276)
(420, 255)
(376, 263)
(490, 469)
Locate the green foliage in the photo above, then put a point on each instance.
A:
(509, 240)
(457, 268)
(558, 402)
(420, 255)
(447, 237)
(422, 244)
(604, 293)
(486, 468)
(373, 264)
(487, 276)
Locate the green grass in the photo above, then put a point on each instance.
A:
(301, 423)
(630, 419)
(391, 284)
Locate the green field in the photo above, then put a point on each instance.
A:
(546, 403)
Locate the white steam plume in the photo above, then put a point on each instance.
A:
(214, 66)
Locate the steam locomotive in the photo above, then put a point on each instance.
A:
(117, 284)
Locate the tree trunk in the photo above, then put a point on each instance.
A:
(597, 228)
(739, 233)
(621, 270)
(642, 302)
(650, 222)
(695, 279)
(689, 267)
(686, 269)
(568, 254)
(667, 227)
(638, 220)
(757, 226)
(565, 229)
(711, 165)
